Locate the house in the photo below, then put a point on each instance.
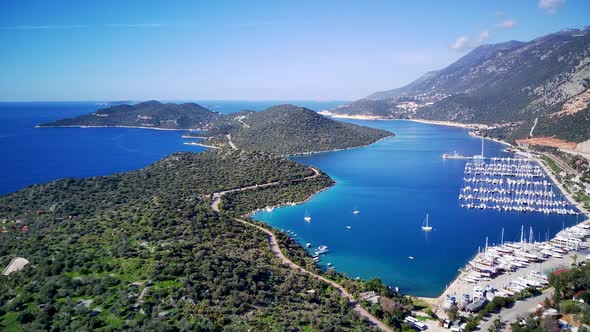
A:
(370, 296)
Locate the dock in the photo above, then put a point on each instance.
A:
(510, 267)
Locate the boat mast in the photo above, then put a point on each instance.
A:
(482, 145)
(521, 234)
(502, 241)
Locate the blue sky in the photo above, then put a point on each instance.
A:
(250, 50)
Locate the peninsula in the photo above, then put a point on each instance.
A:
(106, 251)
(280, 129)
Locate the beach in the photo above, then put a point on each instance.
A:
(374, 117)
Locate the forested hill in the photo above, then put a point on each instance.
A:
(143, 251)
(281, 129)
(289, 129)
(149, 114)
(508, 84)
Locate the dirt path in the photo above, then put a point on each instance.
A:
(233, 146)
(241, 120)
(276, 251)
(533, 127)
(216, 200)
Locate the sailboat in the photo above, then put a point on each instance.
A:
(481, 156)
(425, 226)
(307, 216)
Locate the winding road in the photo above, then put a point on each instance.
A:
(216, 199)
(233, 146)
(276, 251)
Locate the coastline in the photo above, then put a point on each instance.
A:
(201, 145)
(566, 194)
(250, 214)
(449, 123)
(130, 127)
(381, 118)
(458, 283)
(472, 133)
(336, 150)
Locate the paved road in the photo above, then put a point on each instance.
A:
(568, 196)
(520, 308)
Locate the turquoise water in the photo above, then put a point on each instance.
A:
(394, 183)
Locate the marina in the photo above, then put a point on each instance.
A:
(511, 267)
(393, 184)
(511, 184)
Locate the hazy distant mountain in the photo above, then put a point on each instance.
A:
(289, 129)
(149, 114)
(510, 84)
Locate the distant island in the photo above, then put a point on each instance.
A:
(281, 129)
(149, 114)
(512, 91)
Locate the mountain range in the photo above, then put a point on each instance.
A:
(507, 87)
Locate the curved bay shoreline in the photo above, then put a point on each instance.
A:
(441, 123)
(456, 280)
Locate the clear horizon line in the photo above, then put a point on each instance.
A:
(166, 100)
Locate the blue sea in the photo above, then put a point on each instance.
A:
(393, 183)
(32, 155)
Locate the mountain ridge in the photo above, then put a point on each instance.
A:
(505, 85)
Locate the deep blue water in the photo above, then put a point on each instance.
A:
(394, 183)
(32, 155)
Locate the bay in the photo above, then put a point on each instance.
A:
(394, 184)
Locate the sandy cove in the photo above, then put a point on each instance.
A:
(374, 117)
